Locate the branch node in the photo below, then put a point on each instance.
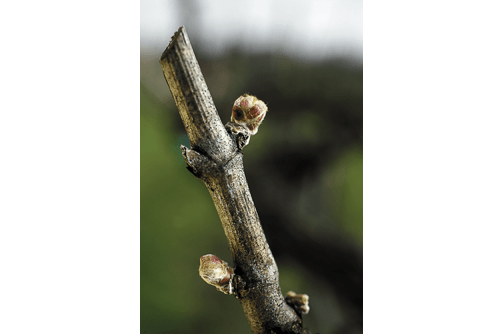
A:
(198, 164)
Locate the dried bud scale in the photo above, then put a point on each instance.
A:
(217, 272)
(240, 134)
(299, 302)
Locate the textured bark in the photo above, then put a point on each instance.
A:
(216, 159)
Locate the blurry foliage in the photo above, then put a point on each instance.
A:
(304, 170)
(345, 184)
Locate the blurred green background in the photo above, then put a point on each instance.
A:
(305, 172)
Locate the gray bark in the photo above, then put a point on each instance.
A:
(215, 157)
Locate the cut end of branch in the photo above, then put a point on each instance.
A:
(172, 39)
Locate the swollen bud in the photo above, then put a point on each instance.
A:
(249, 111)
(216, 272)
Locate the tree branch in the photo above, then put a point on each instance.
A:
(215, 157)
